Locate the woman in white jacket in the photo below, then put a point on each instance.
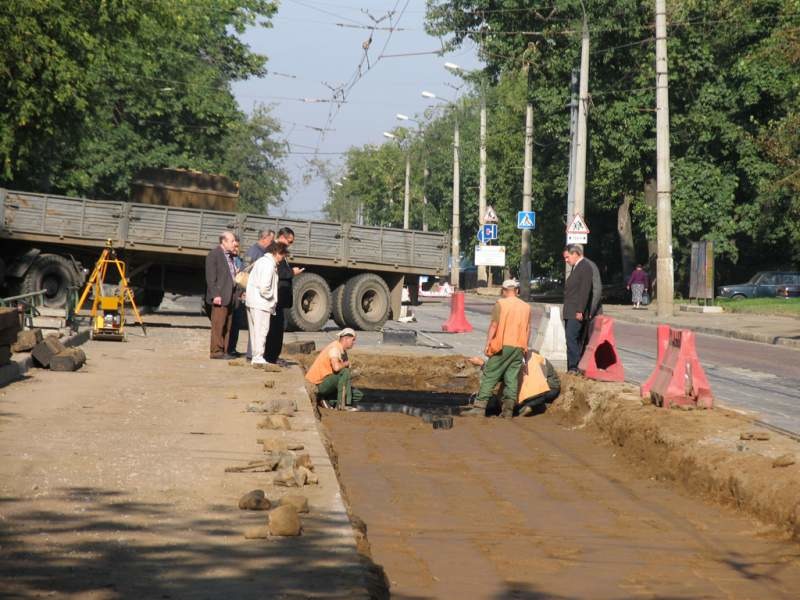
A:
(261, 296)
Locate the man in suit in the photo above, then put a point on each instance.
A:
(220, 270)
(577, 303)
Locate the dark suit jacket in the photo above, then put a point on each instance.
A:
(578, 290)
(218, 277)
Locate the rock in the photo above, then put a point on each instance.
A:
(298, 348)
(269, 383)
(237, 362)
(45, 350)
(274, 445)
(281, 406)
(257, 533)
(255, 500)
(284, 520)
(290, 477)
(70, 359)
(257, 407)
(286, 460)
(306, 476)
(270, 368)
(754, 435)
(785, 460)
(304, 460)
(299, 502)
(275, 422)
(27, 340)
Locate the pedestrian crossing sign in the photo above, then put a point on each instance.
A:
(578, 225)
(526, 219)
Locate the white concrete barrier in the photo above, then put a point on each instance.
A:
(551, 341)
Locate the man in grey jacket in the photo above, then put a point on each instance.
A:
(220, 271)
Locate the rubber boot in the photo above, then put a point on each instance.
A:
(478, 409)
(508, 409)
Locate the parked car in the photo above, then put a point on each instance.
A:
(788, 291)
(763, 284)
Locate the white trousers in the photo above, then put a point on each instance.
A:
(258, 323)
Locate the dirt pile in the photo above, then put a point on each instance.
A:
(702, 450)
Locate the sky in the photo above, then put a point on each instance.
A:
(315, 46)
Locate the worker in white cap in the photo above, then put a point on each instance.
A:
(330, 372)
(506, 347)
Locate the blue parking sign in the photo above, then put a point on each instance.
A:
(526, 219)
(487, 232)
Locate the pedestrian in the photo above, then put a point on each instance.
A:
(330, 372)
(239, 319)
(286, 274)
(261, 298)
(638, 282)
(540, 384)
(257, 250)
(220, 270)
(597, 285)
(506, 346)
(577, 303)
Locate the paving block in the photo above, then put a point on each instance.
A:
(27, 340)
(70, 359)
(45, 350)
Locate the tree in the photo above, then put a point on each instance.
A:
(94, 90)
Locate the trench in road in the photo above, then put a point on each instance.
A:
(527, 508)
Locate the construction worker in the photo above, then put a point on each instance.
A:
(506, 347)
(330, 372)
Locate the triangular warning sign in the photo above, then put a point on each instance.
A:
(525, 221)
(490, 216)
(578, 225)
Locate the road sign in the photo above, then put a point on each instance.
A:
(578, 225)
(526, 219)
(577, 238)
(490, 256)
(487, 233)
(490, 216)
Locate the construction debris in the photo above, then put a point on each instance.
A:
(70, 359)
(45, 350)
(284, 521)
(27, 340)
(761, 436)
(785, 460)
(299, 502)
(298, 348)
(255, 500)
(275, 422)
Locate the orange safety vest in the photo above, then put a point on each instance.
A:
(322, 366)
(513, 326)
(534, 381)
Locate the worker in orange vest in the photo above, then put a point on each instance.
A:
(506, 347)
(330, 372)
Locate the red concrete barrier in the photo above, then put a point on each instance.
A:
(457, 323)
(601, 360)
(662, 343)
(680, 380)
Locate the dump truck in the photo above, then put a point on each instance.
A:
(354, 273)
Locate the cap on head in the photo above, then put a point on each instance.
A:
(510, 284)
(347, 331)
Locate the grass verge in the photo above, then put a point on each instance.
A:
(789, 307)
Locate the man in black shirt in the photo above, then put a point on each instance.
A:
(277, 324)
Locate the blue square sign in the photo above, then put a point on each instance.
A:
(487, 232)
(526, 219)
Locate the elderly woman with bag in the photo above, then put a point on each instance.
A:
(261, 297)
(638, 282)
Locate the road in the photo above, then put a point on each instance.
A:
(747, 376)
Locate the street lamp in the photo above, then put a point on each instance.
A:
(407, 195)
(456, 235)
(402, 117)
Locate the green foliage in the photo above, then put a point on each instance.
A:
(762, 306)
(96, 89)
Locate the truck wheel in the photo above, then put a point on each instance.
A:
(337, 301)
(52, 273)
(312, 303)
(366, 302)
(153, 298)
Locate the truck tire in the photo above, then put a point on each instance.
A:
(55, 275)
(337, 301)
(366, 302)
(311, 308)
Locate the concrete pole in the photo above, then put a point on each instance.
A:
(454, 258)
(425, 174)
(664, 267)
(407, 197)
(573, 144)
(482, 278)
(583, 106)
(527, 184)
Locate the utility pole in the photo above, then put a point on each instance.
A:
(573, 143)
(407, 198)
(482, 277)
(425, 174)
(527, 181)
(664, 267)
(454, 258)
(583, 106)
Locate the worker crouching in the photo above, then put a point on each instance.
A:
(506, 345)
(330, 372)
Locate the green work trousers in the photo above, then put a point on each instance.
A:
(504, 366)
(338, 384)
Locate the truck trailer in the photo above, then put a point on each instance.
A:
(354, 273)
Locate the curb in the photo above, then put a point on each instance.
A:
(18, 367)
(728, 333)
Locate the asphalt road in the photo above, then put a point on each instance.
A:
(748, 376)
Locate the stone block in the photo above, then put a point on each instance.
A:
(299, 502)
(27, 340)
(70, 359)
(45, 350)
(255, 500)
(298, 348)
(284, 521)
